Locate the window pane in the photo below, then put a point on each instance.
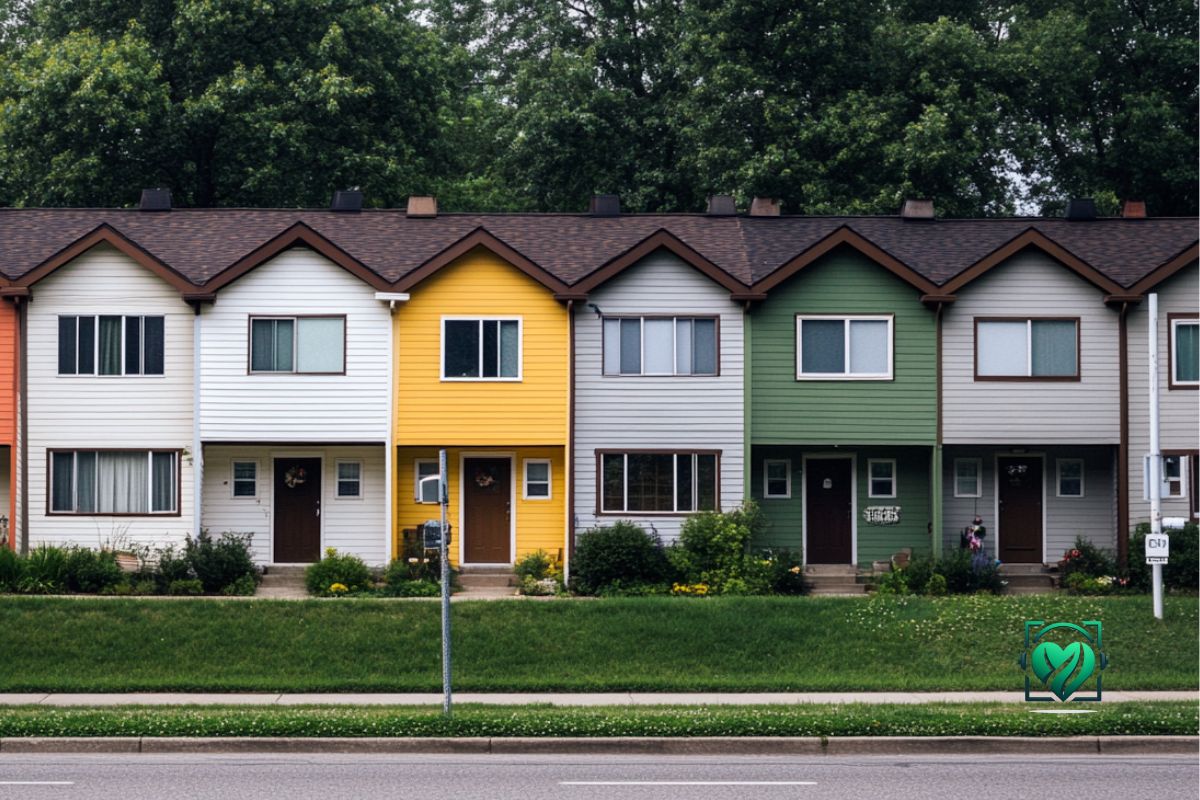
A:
(152, 331)
(537, 471)
(966, 477)
(776, 478)
(868, 347)
(245, 476)
(1002, 348)
(87, 345)
(62, 482)
(462, 348)
(66, 345)
(631, 346)
(163, 481)
(881, 469)
(121, 479)
(683, 347)
(1053, 347)
(427, 492)
(613, 466)
(85, 478)
(285, 332)
(510, 348)
(650, 484)
(262, 345)
(683, 482)
(659, 344)
(704, 347)
(823, 346)
(706, 483)
(612, 347)
(110, 345)
(133, 345)
(349, 470)
(1187, 352)
(320, 344)
(491, 348)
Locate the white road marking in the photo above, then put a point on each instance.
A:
(687, 783)
(1063, 711)
(37, 783)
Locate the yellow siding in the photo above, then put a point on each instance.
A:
(430, 411)
(540, 524)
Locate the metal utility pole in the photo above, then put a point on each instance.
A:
(444, 500)
(1155, 465)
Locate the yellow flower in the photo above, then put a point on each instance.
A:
(413, 560)
(338, 588)
(794, 570)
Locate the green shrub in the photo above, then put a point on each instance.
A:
(535, 565)
(348, 570)
(220, 562)
(413, 577)
(936, 585)
(406, 588)
(620, 554)
(144, 587)
(189, 587)
(786, 574)
(1086, 559)
(172, 566)
(712, 543)
(892, 582)
(12, 570)
(1181, 570)
(966, 573)
(45, 570)
(91, 571)
(244, 586)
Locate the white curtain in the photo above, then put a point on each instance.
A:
(123, 487)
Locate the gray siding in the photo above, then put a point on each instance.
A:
(1179, 409)
(1031, 412)
(669, 413)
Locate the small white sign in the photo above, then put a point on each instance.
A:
(1158, 548)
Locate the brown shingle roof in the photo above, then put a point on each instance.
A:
(200, 243)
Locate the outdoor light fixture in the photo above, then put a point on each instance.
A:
(595, 308)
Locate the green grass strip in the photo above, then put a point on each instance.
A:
(624, 644)
(962, 719)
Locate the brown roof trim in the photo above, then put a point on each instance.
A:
(297, 235)
(846, 236)
(481, 237)
(13, 291)
(1164, 271)
(660, 239)
(106, 234)
(1032, 237)
(1115, 299)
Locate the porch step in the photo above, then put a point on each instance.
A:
(281, 570)
(833, 579)
(282, 582)
(1027, 579)
(843, 589)
(490, 581)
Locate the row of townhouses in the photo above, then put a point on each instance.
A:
(873, 383)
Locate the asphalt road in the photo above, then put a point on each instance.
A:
(495, 777)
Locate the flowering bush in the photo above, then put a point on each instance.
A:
(690, 589)
(1086, 559)
(350, 571)
(337, 589)
(1079, 583)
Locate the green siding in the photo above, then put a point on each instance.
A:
(785, 410)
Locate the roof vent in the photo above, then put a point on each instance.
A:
(917, 209)
(605, 205)
(155, 200)
(721, 205)
(1133, 209)
(422, 206)
(347, 200)
(1081, 209)
(764, 207)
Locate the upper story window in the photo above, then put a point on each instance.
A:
(310, 345)
(660, 346)
(110, 345)
(130, 482)
(1185, 352)
(477, 349)
(843, 347)
(1038, 349)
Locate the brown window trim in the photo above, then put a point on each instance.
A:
(800, 377)
(716, 318)
(156, 514)
(1193, 485)
(600, 512)
(1076, 378)
(250, 342)
(1171, 384)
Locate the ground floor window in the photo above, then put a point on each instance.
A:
(658, 482)
(966, 477)
(114, 482)
(245, 478)
(777, 478)
(425, 492)
(1070, 477)
(537, 479)
(882, 474)
(349, 479)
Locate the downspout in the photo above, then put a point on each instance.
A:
(23, 407)
(389, 446)
(1123, 446)
(935, 462)
(197, 446)
(569, 464)
(747, 411)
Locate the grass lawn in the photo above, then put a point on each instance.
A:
(643, 644)
(957, 719)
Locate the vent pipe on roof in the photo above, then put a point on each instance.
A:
(764, 207)
(1133, 209)
(917, 209)
(1081, 209)
(605, 205)
(721, 205)
(347, 200)
(155, 200)
(422, 206)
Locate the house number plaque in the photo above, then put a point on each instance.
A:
(881, 515)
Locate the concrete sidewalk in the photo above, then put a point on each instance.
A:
(551, 698)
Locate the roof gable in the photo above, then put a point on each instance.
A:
(481, 238)
(1037, 240)
(106, 234)
(846, 237)
(661, 239)
(1189, 256)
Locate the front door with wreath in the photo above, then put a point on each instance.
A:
(297, 534)
(487, 487)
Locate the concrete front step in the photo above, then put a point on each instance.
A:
(837, 589)
(285, 570)
(485, 581)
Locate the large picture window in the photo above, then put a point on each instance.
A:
(660, 346)
(1185, 352)
(843, 348)
(312, 345)
(1040, 349)
(658, 483)
(110, 345)
(481, 349)
(114, 482)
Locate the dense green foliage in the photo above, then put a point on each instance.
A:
(534, 105)
(617, 554)
(337, 573)
(620, 644)
(1180, 571)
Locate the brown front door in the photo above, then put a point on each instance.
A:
(1020, 523)
(828, 509)
(297, 510)
(486, 524)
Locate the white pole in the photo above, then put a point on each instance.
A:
(1155, 454)
(444, 499)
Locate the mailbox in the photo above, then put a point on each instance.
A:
(432, 533)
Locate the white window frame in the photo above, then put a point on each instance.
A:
(871, 480)
(846, 319)
(1058, 477)
(417, 462)
(295, 319)
(149, 512)
(95, 373)
(787, 466)
(978, 462)
(693, 454)
(674, 373)
(481, 318)
(1175, 324)
(337, 480)
(1182, 478)
(233, 480)
(549, 495)
(1028, 373)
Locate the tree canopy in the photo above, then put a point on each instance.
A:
(833, 107)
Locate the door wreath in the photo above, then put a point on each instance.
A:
(295, 476)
